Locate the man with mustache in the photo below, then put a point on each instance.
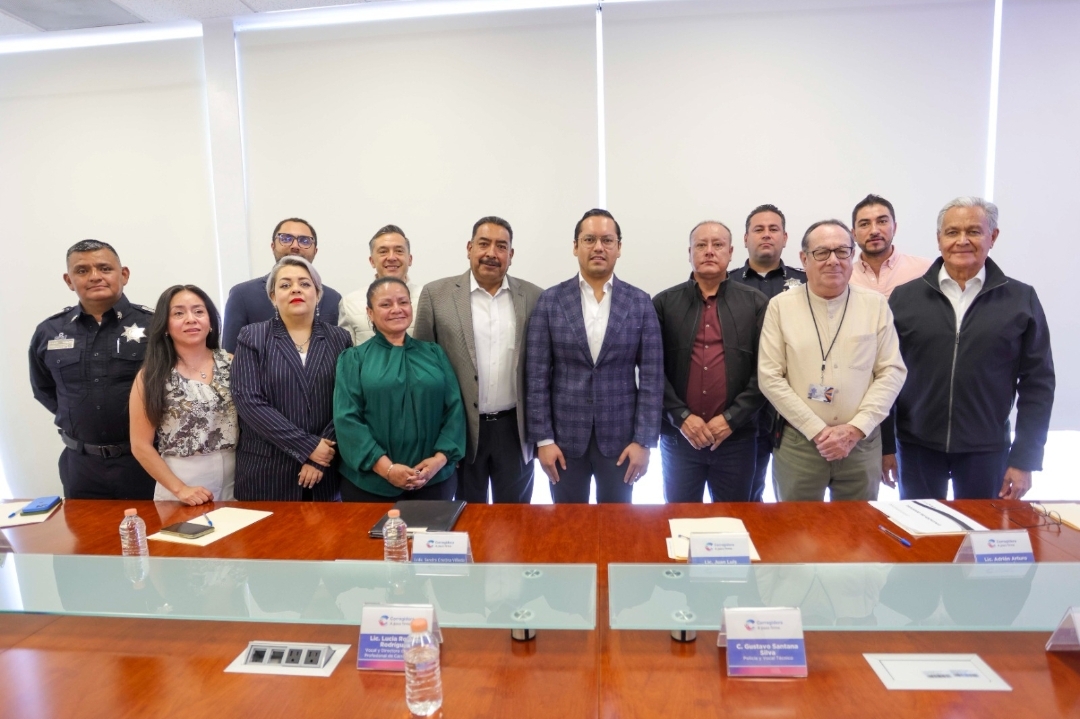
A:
(711, 329)
(248, 303)
(479, 320)
(829, 361)
(391, 256)
(880, 266)
(595, 373)
(765, 271)
(976, 342)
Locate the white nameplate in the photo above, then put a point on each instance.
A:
(384, 629)
(1066, 638)
(441, 548)
(720, 548)
(764, 642)
(999, 547)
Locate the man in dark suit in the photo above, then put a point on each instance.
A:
(587, 338)
(711, 329)
(248, 302)
(479, 320)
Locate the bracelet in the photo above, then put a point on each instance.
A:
(387, 477)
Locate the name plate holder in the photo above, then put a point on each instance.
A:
(1066, 638)
(441, 548)
(764, 642)
(997, 553)
(384, 630)
(725, 548)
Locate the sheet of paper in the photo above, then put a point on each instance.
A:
(18, 520)
(238, 666)
(921, 672)
(678, 546)
(927, 516)
(1068, 511)
(226, 521)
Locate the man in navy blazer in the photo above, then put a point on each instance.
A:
(588, 337)
(248, 303)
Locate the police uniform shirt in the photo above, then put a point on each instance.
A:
(773, 282)
(82, 371)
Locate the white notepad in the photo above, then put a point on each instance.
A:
(19, 520)
(226, 521)
(678, 546)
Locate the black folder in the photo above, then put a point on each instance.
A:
(438, 515)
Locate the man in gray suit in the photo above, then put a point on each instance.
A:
(479, 320)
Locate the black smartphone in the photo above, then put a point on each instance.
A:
(187, 530)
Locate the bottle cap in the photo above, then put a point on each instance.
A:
(418, 625)
(130, 512)
(394, 513)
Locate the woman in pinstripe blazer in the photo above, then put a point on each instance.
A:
(283, 386)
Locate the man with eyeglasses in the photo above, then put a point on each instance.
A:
(765, 239)
(390, 255)
(248, 303)
(829, 361)
(976, 343)
(711, 329)
(594, 373)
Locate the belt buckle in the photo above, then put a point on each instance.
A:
(109, 451)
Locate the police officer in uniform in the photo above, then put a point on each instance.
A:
(765, 271)
(82, 363)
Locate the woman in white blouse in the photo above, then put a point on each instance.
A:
(184, 427)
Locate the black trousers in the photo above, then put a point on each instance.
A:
(86, 476)
(925, 473)
(574, 481)
(441, 490)
(763, 452)
(498, 463)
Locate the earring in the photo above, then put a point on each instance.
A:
(166, 334)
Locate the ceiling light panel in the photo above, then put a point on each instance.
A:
(68, 14)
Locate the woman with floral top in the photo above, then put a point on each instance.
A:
(184, 427)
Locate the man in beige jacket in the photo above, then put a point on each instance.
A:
(829, 361)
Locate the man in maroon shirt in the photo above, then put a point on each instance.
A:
(710, 329)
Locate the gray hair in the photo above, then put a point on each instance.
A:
(819, 223)
(296, 261)
(710, 222)
(988, 208)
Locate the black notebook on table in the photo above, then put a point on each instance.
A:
(436, 515)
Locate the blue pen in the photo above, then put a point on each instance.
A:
(12, 514)
(895, 536)
(206, 516)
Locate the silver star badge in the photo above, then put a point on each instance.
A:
(134, 333)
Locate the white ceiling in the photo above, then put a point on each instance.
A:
(34, 16)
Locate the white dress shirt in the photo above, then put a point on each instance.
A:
(596, 314)
(960, 298)
(494, 331)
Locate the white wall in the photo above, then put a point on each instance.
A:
(106, 143)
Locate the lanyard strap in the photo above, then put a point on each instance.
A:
(824, 354)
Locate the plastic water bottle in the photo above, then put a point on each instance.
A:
(133, 544)
(395, 538)
(423, 681)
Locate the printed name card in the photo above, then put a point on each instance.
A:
(384, 630)
(441, 548)
(1005, 547)
(764, 642)
(1066, 638)
(720, 548)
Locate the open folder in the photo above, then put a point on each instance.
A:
(424, 515)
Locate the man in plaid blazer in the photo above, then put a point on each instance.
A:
(588, 336)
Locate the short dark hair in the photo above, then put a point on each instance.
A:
(388, 279)
(388, 230)
(91, 246)
(819, 223)
(493, 220)
(596, 212)
(766, 208)
(873, 200)
(314, 235)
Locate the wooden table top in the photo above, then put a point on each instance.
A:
(83, 666)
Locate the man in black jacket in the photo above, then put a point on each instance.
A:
(710, 329)
(974, 341)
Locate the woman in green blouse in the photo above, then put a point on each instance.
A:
(397, 409)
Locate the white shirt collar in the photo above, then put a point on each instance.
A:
(474, 285)
(943, 276)
(583, 284)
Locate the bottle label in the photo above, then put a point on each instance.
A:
(384, 631)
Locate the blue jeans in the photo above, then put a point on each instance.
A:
(728, 471)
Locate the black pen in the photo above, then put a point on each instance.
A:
(894, 535)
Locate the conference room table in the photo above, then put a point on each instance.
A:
(54, 665)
